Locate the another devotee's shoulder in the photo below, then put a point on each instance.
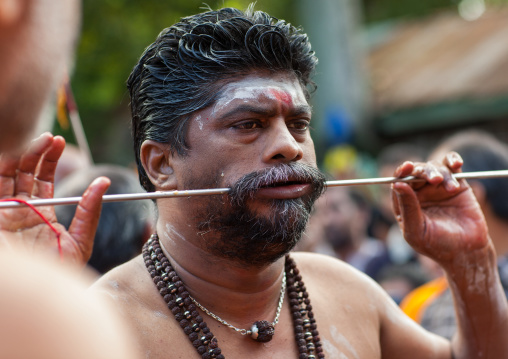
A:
(46, 312)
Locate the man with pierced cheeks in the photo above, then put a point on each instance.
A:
(221, 100)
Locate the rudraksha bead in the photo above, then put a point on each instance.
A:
(298, 293)
(183, 323)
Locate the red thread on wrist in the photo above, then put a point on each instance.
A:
(57, 232)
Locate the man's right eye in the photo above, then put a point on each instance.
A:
(248, 125)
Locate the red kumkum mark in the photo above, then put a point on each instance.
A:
(57, 232)
(282, 96)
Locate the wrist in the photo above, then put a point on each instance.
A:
(472, 270)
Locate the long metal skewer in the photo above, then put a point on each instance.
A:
(216, 191)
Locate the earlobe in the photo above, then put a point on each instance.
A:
(157, 162)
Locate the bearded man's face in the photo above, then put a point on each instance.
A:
(255, 139)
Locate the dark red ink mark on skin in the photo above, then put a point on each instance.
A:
(282, 96)
(57, 232)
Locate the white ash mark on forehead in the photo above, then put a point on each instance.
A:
(199, 121)
(242, 93)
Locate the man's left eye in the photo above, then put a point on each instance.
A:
(299, 125)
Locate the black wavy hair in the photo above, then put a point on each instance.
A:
(182, 70)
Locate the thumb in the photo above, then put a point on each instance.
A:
(85, 221)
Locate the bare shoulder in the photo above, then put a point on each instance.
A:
(132, 292)
(128, 286)
(129, 278)
(346, 306)
(357, 318)
(337, 283)
(323, 270)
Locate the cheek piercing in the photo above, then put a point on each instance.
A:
(12, 203)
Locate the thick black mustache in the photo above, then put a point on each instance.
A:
(292, 172)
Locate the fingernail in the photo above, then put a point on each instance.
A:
(453, 157)
(433, 174)
(452, 185)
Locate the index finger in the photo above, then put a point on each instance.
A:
(8, 167)
(29, 162)
(453, 161)
(408, 212)
(45, 173)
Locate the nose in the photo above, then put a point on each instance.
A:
(280, 145)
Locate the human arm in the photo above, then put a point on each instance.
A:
(31, 175)
(441, 219)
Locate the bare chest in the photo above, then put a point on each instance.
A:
(349, 332)
(346, 333)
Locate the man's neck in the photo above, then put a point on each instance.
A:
(240, 295)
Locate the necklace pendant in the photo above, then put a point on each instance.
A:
(262, 331)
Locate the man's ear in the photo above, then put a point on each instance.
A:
(157, 160)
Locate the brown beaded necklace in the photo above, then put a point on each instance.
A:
(185, 311)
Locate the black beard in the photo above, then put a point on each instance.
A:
(254, 240)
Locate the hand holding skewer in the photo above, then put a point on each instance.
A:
(32, 176)
(439, 216)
